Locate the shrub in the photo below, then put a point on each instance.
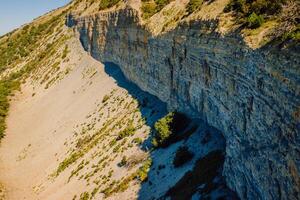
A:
(108, 3)
(183, 155)
(253, 11)
(235, 5)
(163, 128)
(142, 173)
(105, 98)
(193, 5)
(292, 35)
(137, 141)
(254, 20)
(84, 196)
(149, 8)
(128, 131)
(123, 162)
(65, 52)
(169, 128)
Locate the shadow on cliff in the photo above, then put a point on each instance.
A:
(151, 107)
(198, 178)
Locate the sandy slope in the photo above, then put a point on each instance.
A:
(39, 125)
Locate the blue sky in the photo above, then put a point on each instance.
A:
(14, 13)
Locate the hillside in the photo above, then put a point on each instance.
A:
(152, 99)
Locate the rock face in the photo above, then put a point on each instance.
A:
(252, 96)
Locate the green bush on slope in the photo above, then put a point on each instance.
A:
(193, 5)
(170, 129)
(151, 7)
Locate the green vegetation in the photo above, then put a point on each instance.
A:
(183, 155)
(193, 5)
(292, 35)
(20, 44)
(84, 196)
(65, 52)
(105, 98)
(128, 131)
(107, 3)
(7, 86)
(253, 12)
(170, 129)
(120, 186)
(137, 141)
(142, 173)
(16, 47)
(67, 162)
(123, 162)
(151, 7)
(255, 21)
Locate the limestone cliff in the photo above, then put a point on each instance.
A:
(252, 96)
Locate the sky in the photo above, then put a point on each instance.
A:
(14, 13)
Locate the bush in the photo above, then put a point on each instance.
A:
(169, 128)
(105, 98)
(142, 173)
(108, 3)
(149, 8)
(253, 11)
(183, 155)
(193, 5)
(84, 196)
(254, 20)
(128, 131)
(65, 52)
(138, 141)
(123, 162)
(163, 128)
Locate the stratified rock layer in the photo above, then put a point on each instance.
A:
(252, 96)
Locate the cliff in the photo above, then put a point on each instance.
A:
(251, 95)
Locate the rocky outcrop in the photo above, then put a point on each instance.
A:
(252, 96)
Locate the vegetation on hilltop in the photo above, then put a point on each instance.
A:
(17, 47)
(108, 3)
(151, 7)
(254, 12)
(193, 5)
